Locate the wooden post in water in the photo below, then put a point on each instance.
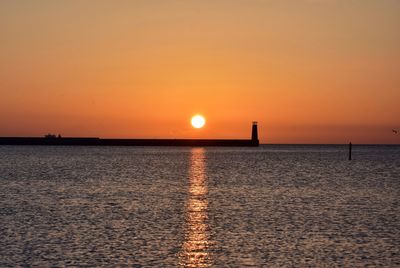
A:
(350, 150)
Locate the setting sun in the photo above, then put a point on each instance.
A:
(198, 121)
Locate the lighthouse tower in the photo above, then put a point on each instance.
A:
(254, 135)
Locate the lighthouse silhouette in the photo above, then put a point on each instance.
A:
(254, 134)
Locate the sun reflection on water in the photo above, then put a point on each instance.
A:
(196, 247)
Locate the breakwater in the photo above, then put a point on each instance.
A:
(76, 141)
(125, 142)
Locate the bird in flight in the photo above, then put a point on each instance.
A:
(395, 131)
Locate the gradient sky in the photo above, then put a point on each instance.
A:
(309, 71)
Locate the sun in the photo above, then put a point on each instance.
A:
(198, 121)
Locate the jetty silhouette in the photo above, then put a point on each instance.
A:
(51, 139)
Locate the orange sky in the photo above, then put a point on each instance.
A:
(309, 71)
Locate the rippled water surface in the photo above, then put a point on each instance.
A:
(199, 207)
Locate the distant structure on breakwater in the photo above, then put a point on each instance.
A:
(76, 141)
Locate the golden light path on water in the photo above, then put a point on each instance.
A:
(196, 247)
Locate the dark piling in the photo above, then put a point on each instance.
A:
(350, 145)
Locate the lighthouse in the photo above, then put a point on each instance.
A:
(254, 135)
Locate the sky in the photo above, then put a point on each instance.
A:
(309, 71)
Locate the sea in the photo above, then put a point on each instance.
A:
(270, 206)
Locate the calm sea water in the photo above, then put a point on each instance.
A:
(199, 207)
